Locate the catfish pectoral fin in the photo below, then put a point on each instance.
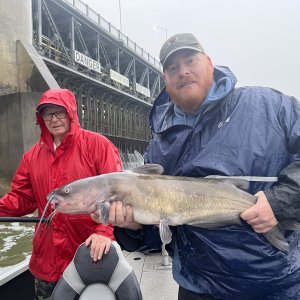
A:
(104, 212)
(165, 232)
(276, 237)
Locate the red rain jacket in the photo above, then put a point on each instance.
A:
(81, 154)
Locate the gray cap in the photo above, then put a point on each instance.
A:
(177, 42)
(43, 106)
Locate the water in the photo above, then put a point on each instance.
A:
(15, 243)
(16, 238)
(131, 160)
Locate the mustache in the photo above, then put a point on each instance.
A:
(186, 81)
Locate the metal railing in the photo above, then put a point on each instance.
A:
(107, 26)
(52, 51)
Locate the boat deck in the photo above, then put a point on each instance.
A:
(155, 280)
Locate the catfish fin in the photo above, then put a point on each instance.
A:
(148, 169)
(103, 212)
(165, 232)
(276, 237)
(242, 184)
(239, 183)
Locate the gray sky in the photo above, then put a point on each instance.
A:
(258, 39)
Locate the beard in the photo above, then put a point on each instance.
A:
(189, 99)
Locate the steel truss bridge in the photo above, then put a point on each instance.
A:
(115, 81)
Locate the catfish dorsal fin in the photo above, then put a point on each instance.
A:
(148, 169)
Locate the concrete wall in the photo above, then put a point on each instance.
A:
(33, 74)
(23, 78)
(17, 110)
(18, 131)
(15, 24)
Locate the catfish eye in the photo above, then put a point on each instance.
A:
(67, 190)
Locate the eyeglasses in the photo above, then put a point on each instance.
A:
(61, 114)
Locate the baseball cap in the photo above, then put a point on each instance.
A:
(177, 42)
(43, 106)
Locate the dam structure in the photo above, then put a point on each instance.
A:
(66, 44)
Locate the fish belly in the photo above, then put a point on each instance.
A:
(146, 218)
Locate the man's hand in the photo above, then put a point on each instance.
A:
(120, 216)
(99, 244)
(260, 216)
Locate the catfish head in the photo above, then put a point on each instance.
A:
(78, 197)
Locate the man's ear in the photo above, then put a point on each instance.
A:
(164, 77)
(209, 60)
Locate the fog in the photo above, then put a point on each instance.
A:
(258, 39)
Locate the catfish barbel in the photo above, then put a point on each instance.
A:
(161, 200)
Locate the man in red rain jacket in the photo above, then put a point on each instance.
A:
(64, 153)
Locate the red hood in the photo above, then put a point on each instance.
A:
(62, 97)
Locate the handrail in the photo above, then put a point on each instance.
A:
(107, 26)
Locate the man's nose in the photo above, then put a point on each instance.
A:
(54, 118)
(183, 70)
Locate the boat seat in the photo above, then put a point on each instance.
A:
(111, 278)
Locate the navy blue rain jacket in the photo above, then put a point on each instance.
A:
(252, 131)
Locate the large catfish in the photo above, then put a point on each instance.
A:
(162, 200)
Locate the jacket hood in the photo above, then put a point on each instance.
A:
(61, 97)
(224, 83)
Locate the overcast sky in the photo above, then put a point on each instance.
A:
(258, 39)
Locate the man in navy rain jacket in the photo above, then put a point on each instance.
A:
(203, 125)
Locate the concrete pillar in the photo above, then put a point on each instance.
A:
(23, 77)
(15, 24)
(18, 131)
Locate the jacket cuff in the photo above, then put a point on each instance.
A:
(107, 231)
(284, 202)
(284, 197)
(273, 203)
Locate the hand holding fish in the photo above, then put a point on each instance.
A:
(260, 216)
(119, 215)
(99, 244)
(122, 216)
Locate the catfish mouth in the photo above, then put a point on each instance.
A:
(59, 203)
(55, 200)
(67, 206)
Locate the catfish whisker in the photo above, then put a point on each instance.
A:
(48, 220)
(49, 199)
